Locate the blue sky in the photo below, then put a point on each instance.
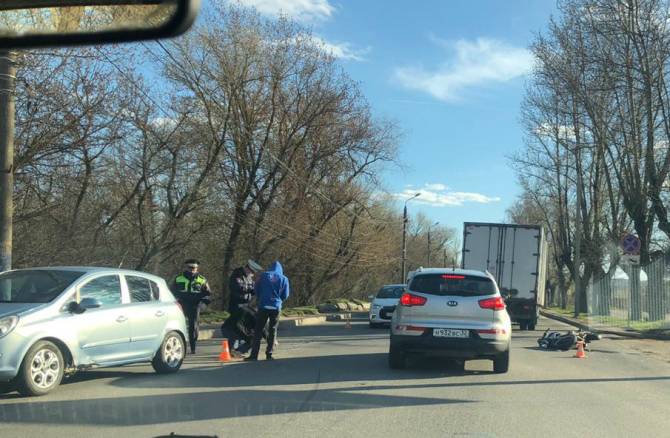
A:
(451, 73)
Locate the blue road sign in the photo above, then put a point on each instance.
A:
(630, 244)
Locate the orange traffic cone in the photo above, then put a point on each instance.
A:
(580, 350)
(225, 352)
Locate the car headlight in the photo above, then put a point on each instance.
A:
(7, 324)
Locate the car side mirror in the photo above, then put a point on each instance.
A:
(90, 303)
(73, 307)
(83, 305)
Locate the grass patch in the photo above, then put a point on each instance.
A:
(613, 321)
(300, 311)
(567, 312)
(338, 301)
(213, 316)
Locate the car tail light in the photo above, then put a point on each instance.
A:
(412, 300)
(492, 331)
(410, 328)
(495, 303)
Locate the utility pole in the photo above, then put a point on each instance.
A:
(445, 257)
(429, 245)
(7, 80)
(578, 241)
(404, 240)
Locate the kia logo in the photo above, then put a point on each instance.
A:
(452, 303)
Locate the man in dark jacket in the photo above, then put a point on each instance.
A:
(241, 287)
(272, 289)
(192, 292)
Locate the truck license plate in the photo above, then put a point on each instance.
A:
(450, 333)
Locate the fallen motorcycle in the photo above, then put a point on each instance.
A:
(553, 340)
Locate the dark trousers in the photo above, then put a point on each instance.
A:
(192, 313)
(230, 329)
(265, 315)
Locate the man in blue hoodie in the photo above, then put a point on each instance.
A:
(272, 289)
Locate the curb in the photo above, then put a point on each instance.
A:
(211, 331)
(583, 326)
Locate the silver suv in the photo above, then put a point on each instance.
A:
(454, 313)
(54, 321)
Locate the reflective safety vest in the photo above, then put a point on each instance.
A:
(185, 285)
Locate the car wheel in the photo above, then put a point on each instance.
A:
(501, 363)
(531, 325)
(41, 370)
(170, 355)
(523, 325)
(396, 358)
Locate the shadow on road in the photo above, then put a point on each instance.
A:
(509, 382)
(369, 367)
(196, 406)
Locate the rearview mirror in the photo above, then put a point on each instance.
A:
(41, 23)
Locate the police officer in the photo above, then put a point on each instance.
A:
(192, 291)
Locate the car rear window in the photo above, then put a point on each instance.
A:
(452, 284)
(390, 292)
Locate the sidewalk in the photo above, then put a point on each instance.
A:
(663, 335)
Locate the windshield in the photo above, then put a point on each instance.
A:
(452, 284)
(34, 286)
(390, 292)
(492, 168)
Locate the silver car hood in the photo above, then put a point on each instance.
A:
(7, 309)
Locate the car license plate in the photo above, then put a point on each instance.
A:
(450, 333)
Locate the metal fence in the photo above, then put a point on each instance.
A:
(631, 296)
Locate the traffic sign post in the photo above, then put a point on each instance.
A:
(630, 259)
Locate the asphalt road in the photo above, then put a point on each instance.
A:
(332, 381)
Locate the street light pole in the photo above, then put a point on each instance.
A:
(404, 239)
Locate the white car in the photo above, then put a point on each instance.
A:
(388, 296)
(454, 313)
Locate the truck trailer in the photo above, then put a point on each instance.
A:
(516, 256)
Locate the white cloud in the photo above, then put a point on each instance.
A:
(301, 10)
(163, 122)
(473, 63)
(562, 131)
(340, 50)
(439, 195)
(438, 187)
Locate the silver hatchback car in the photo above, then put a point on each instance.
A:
(55, 321)
(455, 313)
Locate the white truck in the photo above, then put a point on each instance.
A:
(516, 255)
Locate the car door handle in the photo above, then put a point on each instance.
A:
(160, 313)
(121, 319)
